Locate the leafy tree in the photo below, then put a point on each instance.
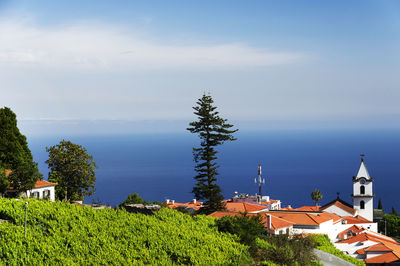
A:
(4, 183)
(316, 195)
(392, 224)
(248, 228)
(380, 205)
(394, 211)
(73, 169)
(15, 154)
(212, 131)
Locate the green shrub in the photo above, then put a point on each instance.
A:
(247, 228)
(323, 243)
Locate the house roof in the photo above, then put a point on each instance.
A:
(276, 222)
(340, 204)
(191, 205)
(356, 220)
(304, 218)
(384, 258)
(243, 207)
(362, 237)
(44, 183)
(308, 208)
(355, 229)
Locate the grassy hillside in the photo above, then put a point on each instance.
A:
(61, 233)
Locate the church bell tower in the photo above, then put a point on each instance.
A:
(362, 192)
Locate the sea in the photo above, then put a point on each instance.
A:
(294, 163)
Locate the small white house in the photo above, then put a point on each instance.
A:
(42, 190)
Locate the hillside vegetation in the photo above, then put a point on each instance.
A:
(61, 233)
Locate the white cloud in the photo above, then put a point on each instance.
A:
(99, 46)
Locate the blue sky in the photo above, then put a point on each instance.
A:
(281, 63)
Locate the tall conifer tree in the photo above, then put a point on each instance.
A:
(212, 131)
(15, 154)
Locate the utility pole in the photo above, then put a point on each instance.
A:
(26, 215)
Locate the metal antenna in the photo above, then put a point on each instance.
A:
(260, 180)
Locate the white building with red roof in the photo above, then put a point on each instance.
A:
(41, 190)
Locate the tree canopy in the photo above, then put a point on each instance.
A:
(73, 169)
(212, 131)
(15, 153)
(316, 195)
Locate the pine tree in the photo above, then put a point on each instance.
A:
(394, 211)
(212, 131)
(15, 154)
(380, 205)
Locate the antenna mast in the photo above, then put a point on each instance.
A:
(260, 180)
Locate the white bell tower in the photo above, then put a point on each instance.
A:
(362, 192)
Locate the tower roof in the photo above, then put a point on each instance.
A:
(363, 172)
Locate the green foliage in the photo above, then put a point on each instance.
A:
(380, 205)
(392, 224)
(394, 212)
(4, 183)
(247, 228)
(15, 154)
(323, 243)
(316, 195)
(73, 169)
(286, 250)
(133, 199)
(59, 233)
(212, 131)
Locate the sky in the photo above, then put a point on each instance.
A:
(118, 66)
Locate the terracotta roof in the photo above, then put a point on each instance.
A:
(368, 236)
(192, 205)
(378, 247)
(354, 229)
(243, 207)
(276, 222)
(8, 172)
(303, 218)
(308, 208)
(356, 220)
(340, 204)
(44, 183)
(384, 258)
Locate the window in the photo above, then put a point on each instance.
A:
(362, 205)
(35, 195)
(362, 190)
(46, 194)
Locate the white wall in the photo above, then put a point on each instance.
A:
(41, 190)
(368, 211)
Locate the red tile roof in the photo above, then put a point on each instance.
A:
(356, 220)
(192, 205)
(308, 208)
(44, 183)
(353, 229)
(243, 207)
(368, 236)
(341, 205)
(385, 258)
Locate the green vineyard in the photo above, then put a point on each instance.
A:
(61, 233)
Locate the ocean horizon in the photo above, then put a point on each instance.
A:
(294, 162)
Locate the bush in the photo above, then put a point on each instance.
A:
(323, 243)
(284, 250)
(247, 228)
